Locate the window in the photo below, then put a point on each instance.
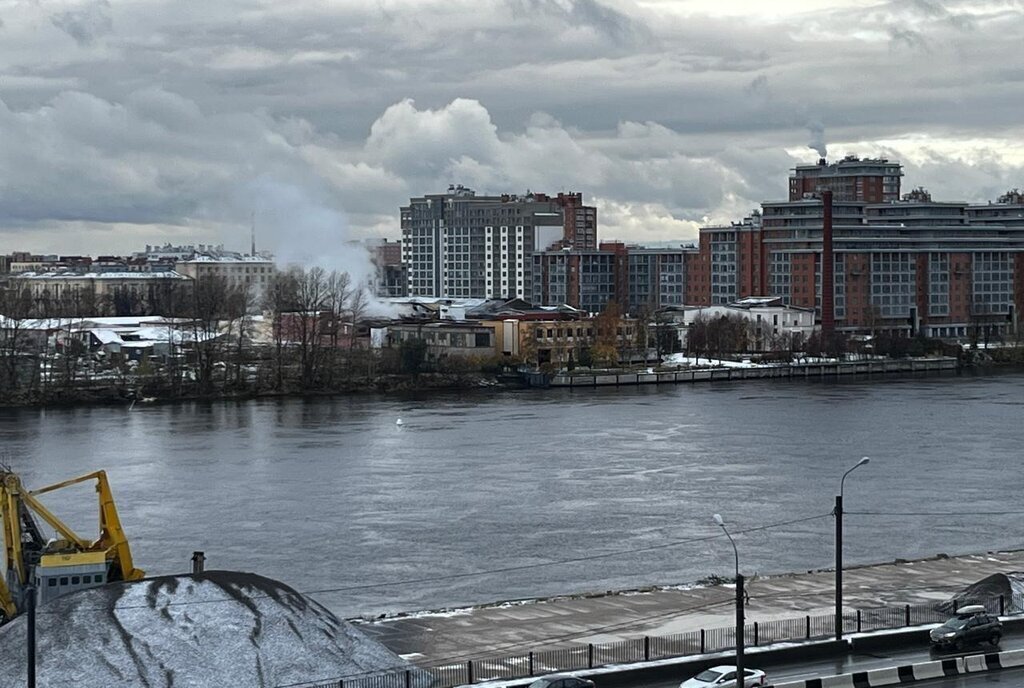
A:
(63, 580)
(52, 582)
(75, 580)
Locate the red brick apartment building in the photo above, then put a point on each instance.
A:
(900, 264)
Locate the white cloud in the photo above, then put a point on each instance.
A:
(667, 111)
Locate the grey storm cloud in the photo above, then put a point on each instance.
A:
(189, 122)
(87, 23)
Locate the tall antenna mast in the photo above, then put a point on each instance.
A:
(252, 234)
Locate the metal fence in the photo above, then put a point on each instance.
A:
(648, 648)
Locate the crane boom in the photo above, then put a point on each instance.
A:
(66, 563)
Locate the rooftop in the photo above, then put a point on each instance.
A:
(71, 275)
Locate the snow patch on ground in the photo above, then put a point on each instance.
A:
(219, 628)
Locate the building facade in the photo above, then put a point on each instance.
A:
(637, 278)
(461, 245)
(905, 266)
(89, 293)
(252, 273)
(850, 179)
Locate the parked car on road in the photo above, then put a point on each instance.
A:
(562, 681)
(971, 625)
(725, 677)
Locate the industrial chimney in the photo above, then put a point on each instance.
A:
(828, 317)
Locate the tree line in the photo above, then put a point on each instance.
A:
(304, 333)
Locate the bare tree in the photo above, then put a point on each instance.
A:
(339, 294)
(15, 305)
(311, 302)
(279, 300)
(208, 305)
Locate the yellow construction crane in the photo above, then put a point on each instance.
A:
(65, 563)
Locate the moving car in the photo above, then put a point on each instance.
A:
(725, 677)
(972, 624)
(562, 681)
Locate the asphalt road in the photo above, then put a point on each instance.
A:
(1006, 677)
(794, 671)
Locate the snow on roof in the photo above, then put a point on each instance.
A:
(46, 323)
(106, 336)
(705, 362)
(219, 628)
(227, 259)
(165, 274)
(125, 320)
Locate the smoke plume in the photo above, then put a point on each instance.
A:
(817, 142)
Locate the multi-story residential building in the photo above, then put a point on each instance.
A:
(384, 251)
(579, 221)
(656, 277)
(912, 265)
(253, 273)
(850, 179)
(587, 280)
(392, 281)
(461, 245)
(728, 261)
(91, 293)
(1007, 210)
(392, 278)
(635, 277)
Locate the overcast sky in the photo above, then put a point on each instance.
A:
(126, 122)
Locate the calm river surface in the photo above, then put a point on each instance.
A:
(332, 494)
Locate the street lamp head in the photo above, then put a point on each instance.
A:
(718, 519)
(863, 461)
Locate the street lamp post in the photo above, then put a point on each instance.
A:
(740, 623)
(839, 548)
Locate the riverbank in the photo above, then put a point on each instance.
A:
(137, 390)
(520, 626)
(126, 395)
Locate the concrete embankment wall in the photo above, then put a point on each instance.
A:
(807, 370)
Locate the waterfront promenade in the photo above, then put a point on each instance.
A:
(516, 627)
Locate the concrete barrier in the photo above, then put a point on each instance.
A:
(909, 673)
(762, 658)
(1012, 658)
(884, 677)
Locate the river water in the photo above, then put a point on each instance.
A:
(489, 496)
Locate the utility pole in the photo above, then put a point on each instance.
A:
(740, 625)
(30, 604)
(740, 617)
(839, 547)
(839, 567)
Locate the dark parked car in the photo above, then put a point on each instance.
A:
(562, 681)
(971, 625)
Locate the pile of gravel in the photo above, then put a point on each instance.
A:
(219, 628)
(987, 592)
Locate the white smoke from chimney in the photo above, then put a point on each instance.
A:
(300, 230)
(817, 130)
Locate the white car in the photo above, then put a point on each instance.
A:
(725, 677)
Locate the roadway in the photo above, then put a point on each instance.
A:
(845, 664)
(1006, 677)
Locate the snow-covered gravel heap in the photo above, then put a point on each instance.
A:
(219, 628)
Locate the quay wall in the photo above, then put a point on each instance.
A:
(804, 370)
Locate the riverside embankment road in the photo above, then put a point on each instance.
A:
(520, 628)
